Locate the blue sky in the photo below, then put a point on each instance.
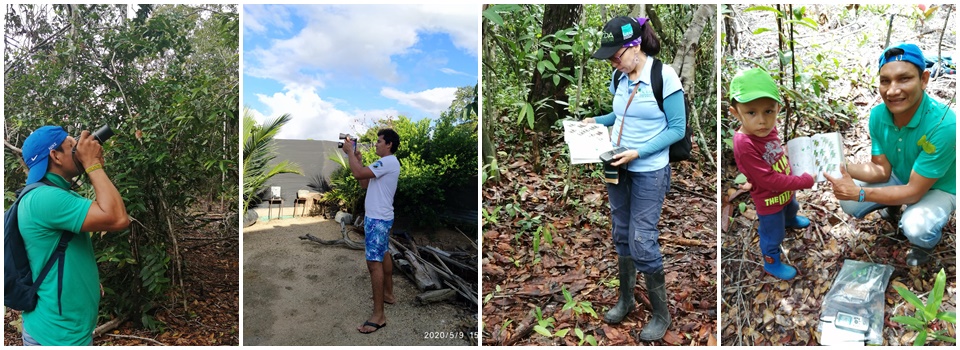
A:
(338, 68)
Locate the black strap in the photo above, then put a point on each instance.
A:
(656, 82)
(59, 255)
(616, 79)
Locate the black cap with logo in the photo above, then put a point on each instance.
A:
(615, 34)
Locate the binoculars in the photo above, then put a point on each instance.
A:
(103, 134)
(346, 137)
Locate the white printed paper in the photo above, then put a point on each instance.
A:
(585, 141)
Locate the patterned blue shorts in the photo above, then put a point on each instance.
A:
(377, 240)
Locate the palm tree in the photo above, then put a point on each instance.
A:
(258, 151)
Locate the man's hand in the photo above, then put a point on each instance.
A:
(625, 157)
(589, 121)
(843, 187)
(348, 146)
(89, 151)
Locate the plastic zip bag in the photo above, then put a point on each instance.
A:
(858, 290)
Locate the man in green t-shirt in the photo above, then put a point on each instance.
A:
(913, 149)
(70, 318)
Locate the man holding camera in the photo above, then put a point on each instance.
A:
(67, 317)
(380, 180)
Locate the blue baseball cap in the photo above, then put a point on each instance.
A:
(911, 53)
(37, 147)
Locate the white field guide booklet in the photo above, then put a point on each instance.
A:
(816, 154)
(586, 141)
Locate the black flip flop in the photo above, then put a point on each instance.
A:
(375, 326)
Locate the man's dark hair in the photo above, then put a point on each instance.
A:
(649, 44)
(896, 51)
(391, 137)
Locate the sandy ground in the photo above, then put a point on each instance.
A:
(297, 292)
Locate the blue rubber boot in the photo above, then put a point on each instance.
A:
(773, 266)
(799, 222)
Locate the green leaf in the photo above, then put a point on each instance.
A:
(921, 338)
(936, 295)
(566, 294)
(529, 108)
(803, 23)
(563, 47)
(492, 15)
(941, 337)
(948, 316)
(487, 298)
(579, 333)
(590, 339)
(549, 66)
(743, 207)
(741, 178)
(554, 57)
(541, 66)
(543, 331)
(556, 79)
(764, 8)
(907, 320)
(588, 308)
(761, 30)
(562, 333)
(911, 298)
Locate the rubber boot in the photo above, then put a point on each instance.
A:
(799, 222)
(891, 214)
(778, 269)
(919, 256)
(659, 321)
(625, 303)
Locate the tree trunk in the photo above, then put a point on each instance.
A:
(488, 150)
(730, 27)
(555, 18)
(685, 62)
(657, 25)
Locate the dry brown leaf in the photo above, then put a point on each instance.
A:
(672, 338)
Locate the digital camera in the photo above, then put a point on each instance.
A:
(611, 174)
(345, 137)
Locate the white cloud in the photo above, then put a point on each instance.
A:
(313, 117)
(433, 101)
(451, 71)
(356, 40)
(256, 18)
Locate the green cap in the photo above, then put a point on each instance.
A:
(751, 84)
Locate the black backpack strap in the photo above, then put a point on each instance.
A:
(656, 81)
(58, 256)
(616, 80)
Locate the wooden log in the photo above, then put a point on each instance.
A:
(434, 296)
(446, 257)
(424, 278)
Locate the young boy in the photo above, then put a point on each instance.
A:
(755, 102)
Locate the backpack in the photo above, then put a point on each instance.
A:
(19, 287)
(681, 149)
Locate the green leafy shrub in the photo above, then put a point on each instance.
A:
(927, 315)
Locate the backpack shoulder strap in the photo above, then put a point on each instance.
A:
(616, 79)
(59, 254)
(656, 81)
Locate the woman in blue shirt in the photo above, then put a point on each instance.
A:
(637, 199)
